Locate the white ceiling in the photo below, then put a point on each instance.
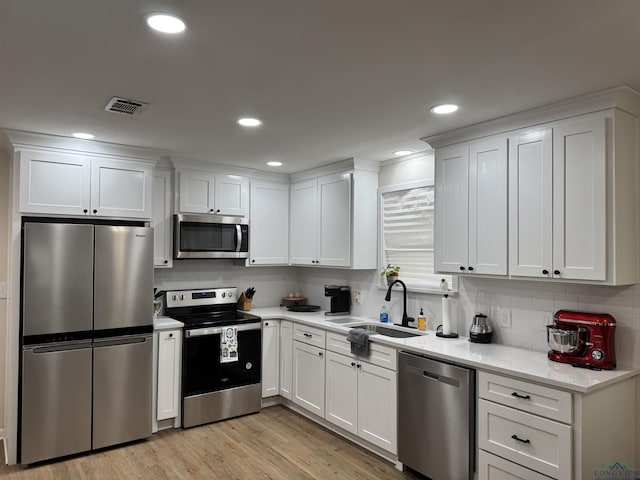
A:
(331, 79)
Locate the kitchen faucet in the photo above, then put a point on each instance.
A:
(405, 318)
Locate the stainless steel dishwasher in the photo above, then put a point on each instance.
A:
(436, 417)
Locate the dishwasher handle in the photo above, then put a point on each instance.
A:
(431, 376)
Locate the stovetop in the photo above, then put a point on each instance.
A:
(201, 320)
(206, 307)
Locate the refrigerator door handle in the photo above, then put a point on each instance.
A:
(37, 350)
(120, 341)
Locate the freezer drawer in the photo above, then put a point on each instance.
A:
(122, 377)
(56, 402)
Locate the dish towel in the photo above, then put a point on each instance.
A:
(359, 339)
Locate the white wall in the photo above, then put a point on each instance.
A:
(4, 236)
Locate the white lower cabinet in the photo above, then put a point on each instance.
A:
(492, 467)
(286, 358)
(167, 377)
(308, 377)
(360, 396)
(270, 358)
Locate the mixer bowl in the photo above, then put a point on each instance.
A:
(563, 340)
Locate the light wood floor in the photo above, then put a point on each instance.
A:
(274, 444)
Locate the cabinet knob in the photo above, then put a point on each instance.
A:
(359, 366)
(353, 364)
(86, 211)
(218, 211)
(461, 268)
(320, 353)
(166, 261)
(95, 211)
(171, 335)
(266, 324)
(545, 272)
(556, 272)
(471, 269)
(211, 209)
(253, 261)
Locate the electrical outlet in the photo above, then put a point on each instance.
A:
(547, 318)
(3, 290)
(355, 297)
(504, 317)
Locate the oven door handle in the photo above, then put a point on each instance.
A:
(201, 332)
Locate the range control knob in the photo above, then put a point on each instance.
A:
(597, 355)
(174, 298)
(181, 297)
(230, 294)
(224, 294)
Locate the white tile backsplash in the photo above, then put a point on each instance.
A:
(529, 301)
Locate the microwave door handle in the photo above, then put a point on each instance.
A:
(238, 238)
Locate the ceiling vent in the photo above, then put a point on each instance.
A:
(125, 106)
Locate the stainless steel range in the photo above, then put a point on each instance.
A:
(221, 355)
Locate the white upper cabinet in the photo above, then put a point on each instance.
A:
(121, 189)
(161, 220)
(530, 203)
(196, 191)
(77, 184)
(471, 207)
(333, 220)
(303, 223)
(208, 192)
(558, 186)
(269, 221)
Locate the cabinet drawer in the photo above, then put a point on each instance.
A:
(379, 355)
(534, 442)
(532, 398)
(310, 335)
(491, 467)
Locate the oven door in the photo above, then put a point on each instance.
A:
(214, 389)
(210, 236)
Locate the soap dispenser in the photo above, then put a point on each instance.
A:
(422, 321)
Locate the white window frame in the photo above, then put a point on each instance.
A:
(433, 284)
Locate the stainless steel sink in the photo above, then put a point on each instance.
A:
(387, 331)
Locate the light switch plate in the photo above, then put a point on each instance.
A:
(3, 289)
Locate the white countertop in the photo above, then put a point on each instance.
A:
(166, 323)
(516, 362)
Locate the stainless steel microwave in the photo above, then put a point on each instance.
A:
(210, 236)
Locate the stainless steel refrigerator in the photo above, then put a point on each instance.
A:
(87, 324)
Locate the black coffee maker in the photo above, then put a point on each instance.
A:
(340, 299)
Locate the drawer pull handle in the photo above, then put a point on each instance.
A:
(307, 335)
(523, 397)
(515, 437)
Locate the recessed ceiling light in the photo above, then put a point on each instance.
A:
(274, 164)
(401, 153)
(165, 23)
(444, 108)
(83, 135)
(249, 122)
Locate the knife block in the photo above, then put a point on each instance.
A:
(244, 303)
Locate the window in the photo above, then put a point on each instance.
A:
(406, 231)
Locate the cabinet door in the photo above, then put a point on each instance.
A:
(491, 467)
(161, 219)
(121, 188)
(451, 208)
(286, 358)
(341, 407)
(270, 358)
(579, 200)
(169, 343)
(196, 191)
(269, 239)
(308, 377)
(303, 215)
(377, 406)
(530, 204)
(54, 183)
(488, 206)
(231, 195)
(334, 201)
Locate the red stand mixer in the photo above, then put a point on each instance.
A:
(583, 339)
